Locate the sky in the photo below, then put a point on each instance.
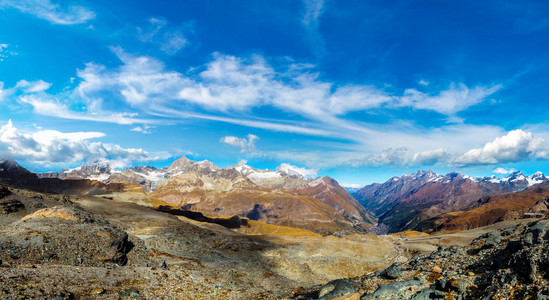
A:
(357, 90)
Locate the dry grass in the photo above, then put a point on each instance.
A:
(261, 228)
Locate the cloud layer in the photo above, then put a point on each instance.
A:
(51, 147)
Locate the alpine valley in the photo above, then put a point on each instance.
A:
(193, 230)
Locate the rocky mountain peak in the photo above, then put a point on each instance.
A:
(181, 163)
(9, 165)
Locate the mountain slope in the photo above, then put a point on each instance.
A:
(406, 202)
(281, 197)
(227, 192)
(491, 209)
(13, 174)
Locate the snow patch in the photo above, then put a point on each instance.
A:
(296, 171)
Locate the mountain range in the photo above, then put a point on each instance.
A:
(414, 201)
(423, 201)
(279, 197)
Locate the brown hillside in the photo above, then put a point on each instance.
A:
(491, 209)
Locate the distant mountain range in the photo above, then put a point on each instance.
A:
(280, 197)
(423, 201)
(414, 201)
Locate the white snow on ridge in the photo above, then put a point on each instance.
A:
(296, 171)
(152, 176)
(263, 175)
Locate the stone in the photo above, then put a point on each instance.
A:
(492, 240)
(164, 265)
(9, 206)
(97, 291)
(336, 288)
(538, 231)
(436, 269)
(397, 290)
(457, 285)
(120, 259)
(427, 294)
(355, 296)
(393, 273)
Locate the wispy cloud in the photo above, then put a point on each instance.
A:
(504, 171)
(170, 40)
(456, 98)
(311, 22)
(246, 144)
(51, 107)
(145, 129)
(54, 13)
(230, 89)
(4, 53)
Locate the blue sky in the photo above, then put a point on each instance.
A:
(357, 90)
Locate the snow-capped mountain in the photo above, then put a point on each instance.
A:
(404, 202)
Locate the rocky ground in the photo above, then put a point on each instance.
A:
(109, 247)
(68, 247)
(510, 263)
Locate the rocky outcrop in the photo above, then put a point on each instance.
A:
(510, 263)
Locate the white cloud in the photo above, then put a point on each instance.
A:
(431, 157)
(145, 129)
(246, 144)
(388, 157)
(51, 147)
(230, 89)
(231, 85)
(311, 22)
(3, 53)
(54, 13)
(448, 102)
(51, 107)
(2, 91)
(423, 82)
(140, 80)
(170, 40)
(33, 87)
(517, 145)
(351, 185)
(173, 42)
(504, 171)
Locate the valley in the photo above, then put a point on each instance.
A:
(201, 232)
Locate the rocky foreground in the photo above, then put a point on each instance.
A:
(83, 247)
(512, 263)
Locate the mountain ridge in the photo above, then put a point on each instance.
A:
(406, 202)
(281, 197)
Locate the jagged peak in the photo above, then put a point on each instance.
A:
(9, 162)
(241, 163)
(208, 164)
(182, 162)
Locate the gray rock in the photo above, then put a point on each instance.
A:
(8, 206)
(335, 288)
(395, 290)
(492, 240)
(164, 265)
(538, 231)
(428, 294)
(392, 272)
